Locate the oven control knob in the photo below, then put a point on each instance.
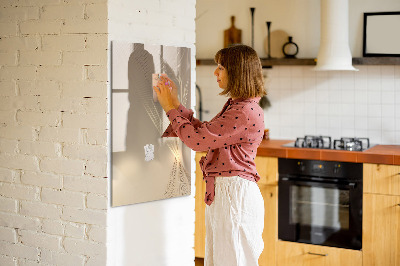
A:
(336, 169)
(302, 167)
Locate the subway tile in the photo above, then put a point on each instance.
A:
(361, 97)
(310, 108)
(348, 96)
(374, 97)
(321, 83)
(374, 70)
(322, 121)
(334, 109)
(286, 132)
(284, 83)
(334, 81)
(335, 95)
(388, 97)
(322, 74)
(374, 110)
(397, 123)
(361, 110)
(285, 72)
(388, 137)
(388, 124)
(334, 77)
(322, 96)
(348, 122)
(397, 134)
(388, 84)
(375, 136)
(374, 84)
(361, 124)
(347, 109)
(387, 72)
(335, 122)
(297, 83)
(388, 110)
(322, 109)
(397, 72)
(360, 133)
(374, 123)
(296, 72)
(348, 132)
(310, 95)
(308, 72)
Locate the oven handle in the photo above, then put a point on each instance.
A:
(297, 181)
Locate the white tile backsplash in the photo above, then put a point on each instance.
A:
(364, 103)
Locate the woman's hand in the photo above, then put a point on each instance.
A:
(174, 90)
(164, 95)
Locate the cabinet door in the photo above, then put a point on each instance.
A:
(200, 207)
(270, 233)
(381, 179)
(381, 230)
(267, 168)
(297, 254)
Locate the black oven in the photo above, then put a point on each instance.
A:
(320, 202)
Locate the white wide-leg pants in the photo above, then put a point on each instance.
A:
(234, 223)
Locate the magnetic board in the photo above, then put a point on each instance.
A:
(146, 167)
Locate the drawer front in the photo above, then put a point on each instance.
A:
(294, 254)
(381, 179)
(267, 168)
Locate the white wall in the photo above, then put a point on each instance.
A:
(53, 108)
(338, 104)
(159, 232)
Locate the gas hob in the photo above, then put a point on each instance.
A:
(325, 142)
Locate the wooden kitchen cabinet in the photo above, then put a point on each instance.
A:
(267, 167)
(200, 207)
(381, 230)
(381, 215)
(381, 179)
(298, 254)
(270, 233)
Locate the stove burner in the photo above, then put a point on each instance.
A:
(324, 142)
(351, 144)
(308, 141)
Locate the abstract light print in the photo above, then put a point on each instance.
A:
(146, 167)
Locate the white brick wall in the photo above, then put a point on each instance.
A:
(53, 121)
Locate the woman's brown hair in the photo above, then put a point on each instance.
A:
(245, 78)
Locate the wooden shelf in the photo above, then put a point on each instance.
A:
(376, 61)
(312, 61)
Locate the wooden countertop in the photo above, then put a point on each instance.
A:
(379, 154)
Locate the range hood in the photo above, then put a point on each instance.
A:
(334, 51)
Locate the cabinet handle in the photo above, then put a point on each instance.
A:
(398, 204)
(318, 254)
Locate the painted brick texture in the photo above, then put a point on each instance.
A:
(53, 132)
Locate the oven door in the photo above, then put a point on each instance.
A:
(320, 212)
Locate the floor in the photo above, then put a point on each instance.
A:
(199, 262)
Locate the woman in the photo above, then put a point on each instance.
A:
(235, 207)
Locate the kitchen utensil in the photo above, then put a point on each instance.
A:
(232, 35)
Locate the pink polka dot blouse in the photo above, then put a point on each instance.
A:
(231, 139)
